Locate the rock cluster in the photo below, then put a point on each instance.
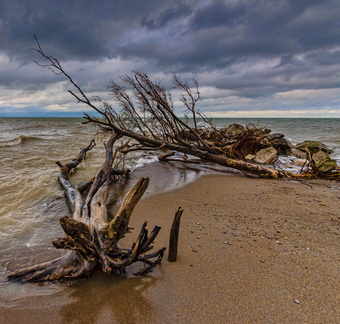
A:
(258, 145)
(265, 148)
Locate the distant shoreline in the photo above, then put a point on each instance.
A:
(241, 118)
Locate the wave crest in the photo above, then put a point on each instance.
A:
(18, 140)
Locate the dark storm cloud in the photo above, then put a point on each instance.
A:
(218, 13)
(83, 29)
(253, 48)
(222, 32)
(209, 34)
(166, 16)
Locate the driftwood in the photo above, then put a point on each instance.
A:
(167, 158)
(174, 233)
(91, 236)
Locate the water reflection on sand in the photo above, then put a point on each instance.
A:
(110, 299)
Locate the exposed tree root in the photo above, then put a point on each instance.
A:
(91, 236)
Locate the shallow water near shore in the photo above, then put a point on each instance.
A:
(31, 201)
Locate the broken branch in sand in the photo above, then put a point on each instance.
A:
(174, 233)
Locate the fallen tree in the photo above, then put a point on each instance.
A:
(92, 235)
(146, 115)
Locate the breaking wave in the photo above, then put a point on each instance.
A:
(19, 140)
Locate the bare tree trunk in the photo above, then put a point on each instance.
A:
(212, 156)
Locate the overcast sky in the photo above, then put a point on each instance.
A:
(252, 58)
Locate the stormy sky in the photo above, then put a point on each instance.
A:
(251, 58)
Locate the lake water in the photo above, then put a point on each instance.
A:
(31, 200)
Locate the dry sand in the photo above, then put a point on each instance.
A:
(250, 251)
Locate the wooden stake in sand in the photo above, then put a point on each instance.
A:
(173, 242)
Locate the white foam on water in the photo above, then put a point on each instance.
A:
(11, 142)
(142, 161)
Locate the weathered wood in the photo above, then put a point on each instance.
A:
(118, 226)
(67, 267)
(90, 236)
(73, 194)
(165, 156)
(174, 233)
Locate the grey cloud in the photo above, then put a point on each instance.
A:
(267, 29)
(272, 27)
(166, 16)
(324, 57)
(215, 33)
(218, 13)
(81, 29)
(289, 59)
(219, 39)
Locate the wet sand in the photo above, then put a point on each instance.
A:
(250, 251)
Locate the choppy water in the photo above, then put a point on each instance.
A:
(31, 201)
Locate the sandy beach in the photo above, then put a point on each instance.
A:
(250, 251)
